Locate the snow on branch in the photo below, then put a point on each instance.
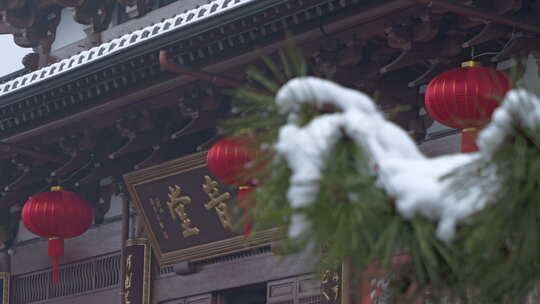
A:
(520, 109)
(416, 182)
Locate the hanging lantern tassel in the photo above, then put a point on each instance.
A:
(468, 140)
(56, 250)
(246, 204)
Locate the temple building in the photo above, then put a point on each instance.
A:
(120, 100)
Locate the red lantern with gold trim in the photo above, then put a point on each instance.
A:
(465, 98)
(57, 215)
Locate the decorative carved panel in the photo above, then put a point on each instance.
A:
(187, 213)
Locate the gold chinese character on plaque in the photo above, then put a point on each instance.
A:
(156, 206)
(129, 279)
(128, 262)
(126, 298)
(217, 201)
(176, 206)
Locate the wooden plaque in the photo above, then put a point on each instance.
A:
(136, 283)
(186, 211)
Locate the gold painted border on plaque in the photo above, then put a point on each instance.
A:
(147, 266)
(199, 252)
(6, 276)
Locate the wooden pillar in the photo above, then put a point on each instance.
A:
(124, 238)
(346, 277)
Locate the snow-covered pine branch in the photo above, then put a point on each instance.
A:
(416, 182)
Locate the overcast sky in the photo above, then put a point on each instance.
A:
(11, 55)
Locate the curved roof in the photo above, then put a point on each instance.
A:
(112, 47)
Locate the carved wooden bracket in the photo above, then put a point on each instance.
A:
(490, 31)
(34, 23)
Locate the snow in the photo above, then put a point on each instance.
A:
(177, 22)
(519, 109)
(416, 182)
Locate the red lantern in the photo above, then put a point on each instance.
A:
(465, 98)
(227, 160)
(57, 215)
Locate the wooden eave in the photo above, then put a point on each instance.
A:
(201, 45)
(118, 113)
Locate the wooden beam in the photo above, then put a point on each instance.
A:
(407, 57)
(516, 45)
(433, 70)
(128, 2)
(155, 157)
(507, 6)
(8, 199)
(16, 149)
(6, 28)
(490, 31)
(204, 121)
(77, 160)
(208, 143)
(106, 168)
(12, 4)
(202, 75)
(480, 14)
(137, 141)
(43, 4)
(361, 18)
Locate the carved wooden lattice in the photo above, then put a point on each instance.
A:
(77, 278)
